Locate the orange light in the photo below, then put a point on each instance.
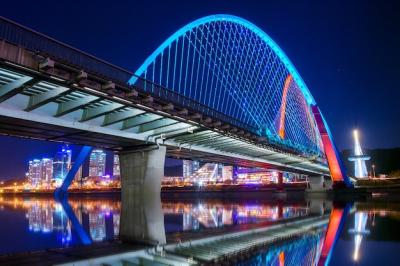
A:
(281, 258)
(288, 80)
(332, 230)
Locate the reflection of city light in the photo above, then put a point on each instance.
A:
(47, 216)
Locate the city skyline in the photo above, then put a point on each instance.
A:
(49, 173)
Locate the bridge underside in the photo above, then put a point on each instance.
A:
(41, 106)
(41, 131)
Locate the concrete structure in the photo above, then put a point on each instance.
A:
(141, 216)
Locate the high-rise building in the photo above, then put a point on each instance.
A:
(190, 167)
(46, 170)
(34, 172)
(97, 163)
(61, 164)
(78, 175)
(116, 167)
(227, 172)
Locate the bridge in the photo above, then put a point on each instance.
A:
(219, 89)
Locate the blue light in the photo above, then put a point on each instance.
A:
(229, 18)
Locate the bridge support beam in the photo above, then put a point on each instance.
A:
(141, 215)
(336, 166)
(317, 184)
(63, 189)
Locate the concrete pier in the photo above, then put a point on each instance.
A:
(318, 184)
(141, 215)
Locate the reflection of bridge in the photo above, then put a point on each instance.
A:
(230, 245)
(302, 241)
(219, 89)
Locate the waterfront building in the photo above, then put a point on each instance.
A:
(61, 164)
(116, 167)
(227, 173)
(78, 177)
(34, 172)
(189, 168)
(97, 163)
(46, 173)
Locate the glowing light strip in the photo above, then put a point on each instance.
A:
(229, 18)
(281, 131)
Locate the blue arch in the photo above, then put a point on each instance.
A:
(234, 19)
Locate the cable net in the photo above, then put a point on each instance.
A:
(228, 67)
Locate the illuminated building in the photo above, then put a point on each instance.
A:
(227, 172)
(78, 176)
(34, 172)
(256, 176)
(97, 226)
(360, 169)
(209, 173)
(61, 164)
(46, 171)
(97, 163)
(190, 167)
(116, 169)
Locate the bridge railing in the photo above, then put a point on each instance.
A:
(44, 45)
(175, 98)
(48, 47)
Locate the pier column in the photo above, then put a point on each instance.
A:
(316, 183)
(142, 218)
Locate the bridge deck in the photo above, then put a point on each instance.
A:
(51, 91)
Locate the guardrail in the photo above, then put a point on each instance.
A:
(46, 46)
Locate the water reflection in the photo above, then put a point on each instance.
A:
(84, 220)
(347, 235)
(304, 250)
(192, 216)
(60, 224)
(359, 230)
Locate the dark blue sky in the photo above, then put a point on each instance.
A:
(346, 51)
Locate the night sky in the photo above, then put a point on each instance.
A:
(347, 52)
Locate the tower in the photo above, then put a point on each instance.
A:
(61, 164)
(360, 169)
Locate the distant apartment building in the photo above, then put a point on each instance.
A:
(34, 172)
(46, 171)
(116, 167)
(190, 167)
(97, 163)
(61, 164)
